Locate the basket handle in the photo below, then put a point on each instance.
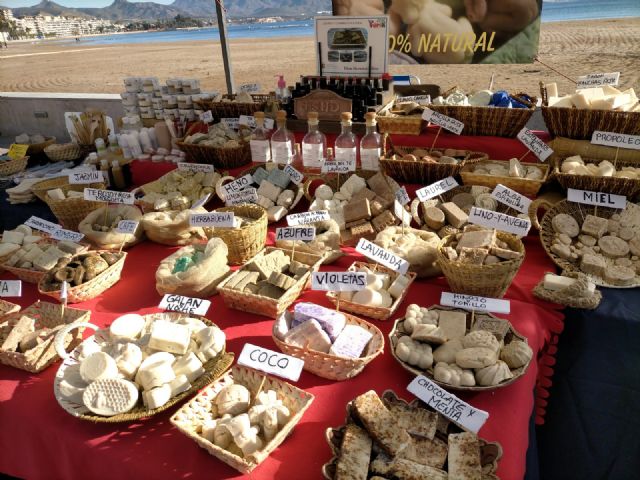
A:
(533, 210)
(220, 183)
(58, 342)
(307, 186)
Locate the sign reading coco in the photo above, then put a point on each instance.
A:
(268, 361)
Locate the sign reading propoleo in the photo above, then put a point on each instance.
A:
(382, 256)
(474, 302)
(533, 143)
(448, 123)
(619, 140)
(188, 305)
(268, 361)
(109, 196)
(599, 199)
(304, 234)
(499, 221)
(338, 281)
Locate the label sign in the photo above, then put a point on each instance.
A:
(419, 99)
(339, 281)
(403, 197)
(473, 302)
(599, 199)
(533, 143)
(250, 195)
(619, 140)
(250, 87)
(127, 226)
(295, 176)
(231, 123)
(178, 303)
(86, 176)
(212, 219)
(400, 213)
(448, 123)
(382, 256)
(250, 121)
(304, 234)
(437, 188)
(109, 196)
(238, 184)
(339, 166)
(64, 292)
(268, 361)
(62, 234)
(511, 198)
(17, 150)
(10, 288)
(499, 221)
(201, 202)
(195, 167)
(598, 80)
(306, 218)
(456, 410)
(207, 117)
(42, 225)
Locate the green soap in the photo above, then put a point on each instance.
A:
(182, 264)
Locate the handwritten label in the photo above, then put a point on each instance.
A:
(598, 80)
(250, 121)
(64, 289)
(201, 202)
(178, 303)
(456, 410)
(212, 219)
(533, 143)
(619, 140)
(109, 196)
(231, 123)
(62, 234)
(338, 281)
(42, 225)
(511, 198)
(473, 302)
(250, 87)
(599, 199)
(499, 221)
(127, 226)
(306, 218)
(249, 195)
(295, 176)
(437, 188)
(207, 117)
(402, 196)
(17, 150)
(238, 184)
(339, 166)
(304, 234)
(10, 288)
(382, 256)
(419, 99)
(448, 123)
(268, 361)
(195, 167)
(401, 213)
(86, 176)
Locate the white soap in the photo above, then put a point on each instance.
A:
(71, 392)
(563, 102)
(128, 357)
(127, 327)
(10, 236)
(516, 169)
(169, 337)
(398, 286)
(211, 338)
(157, 397)
(155, 375)
(558, 282)
(110, 396)
(188, 365)
(552, 89)
(579, 100)
(98, 365)
(179, 384)
(194, 324)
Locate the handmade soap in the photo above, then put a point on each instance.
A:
(279, 178)
(310, 335)
(452, 324)
(351, 342)
(455, 216)
(269, 190)
(170, 337)
(331, 321)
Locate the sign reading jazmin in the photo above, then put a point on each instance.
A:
(85, 176)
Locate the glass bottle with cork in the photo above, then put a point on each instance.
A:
(346, 147)
(314, 144)
(260, 147)
(282, 141)
(371, 145)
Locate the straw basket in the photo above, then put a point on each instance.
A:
(40, 189)
(7, 308)
(525, 186)
(230, 109)
(573, 296)
(490, 453)
(94, 287)
(398, 124)
(266, 306)
(71, 211)
(226, 158)
(567, 147)
(335, 181)
(63, 152)
(37, 148)
(11, 167)
(244, 242)
(378, 313)
(190, 418)
(46, 315)
(335, 367)
(630, 187)
(484, 280)
(399, 331)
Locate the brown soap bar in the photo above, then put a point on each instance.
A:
(415, 420)
(455, 216)
(477, 239)
(356, 211)
(24, 326)
(494, 325)
(365, 230)
(464, 457)
(432, 452)
(355, 454)
(473, 256)
(384, 220)
(379, 184)
(350, 225)
(362, 194)
(376, 208)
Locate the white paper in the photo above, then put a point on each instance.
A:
(447, 404)
(474, 302)
(370, 158)
(401, 213)
(127, 226)
(10, 288)
(295, 176)
(109, 196)
(619, 140)
(85, 177)
(249, 195)
(64, 292)
(248, 121)
(346, 155)
(499, 221)
(281, 152)
(207, 117)
(304, 234)
(232, 123)
(448, 123)
(306, 218)
(42, 225)
(212, 219)
(599, 199)
(195, 167)
(238, 184)
(382, 256)
(178, 303)
(201, 202)
(402, 196)
(338, 281)
(533, 143)
(268, 361)
(598, 80)
(62, 234)
(312, 155)
(511, 198)
(437, 188)
(260, 151)
(250, 87)
(419, 99)
(338, 166)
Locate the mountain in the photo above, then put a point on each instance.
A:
(246, 8)
(124, 10)
(196, 8)
(49, 8)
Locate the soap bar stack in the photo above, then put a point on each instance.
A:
(276, 192)
(448, 156)
(515, 169)
(382, 289)
(479, 246)
(576, 166)
(179, 189)
(22, 335)
(481, 98)
(599, 98)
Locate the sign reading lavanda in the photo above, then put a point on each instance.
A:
(382, 256)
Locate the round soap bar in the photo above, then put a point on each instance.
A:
(127, 327)
(481, 98)
(98, 365)
(369, 297)
(110, 396)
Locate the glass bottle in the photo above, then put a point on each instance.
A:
(346, 148)
(371, 145)
(260, 147)
(282, 141)
(314, 144)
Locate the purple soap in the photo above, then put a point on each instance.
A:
(351, 342)
(331, 321)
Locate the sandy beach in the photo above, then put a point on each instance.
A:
(574, 48)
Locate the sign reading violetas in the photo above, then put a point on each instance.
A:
(109, 196)
(382, 256)
(533, 143)
(338, 281)
(499, 221)
(268, 361)
(474, 302)
(178, 303)
(599, 199)
(448, 123)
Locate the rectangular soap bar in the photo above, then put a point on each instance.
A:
(259, 175)
(309, 335)
(331, 321)
(558, 282)
(279, 178)
(464, 457)
(356, 210)
(351, 342)
(170, 337)
(269, 190)
(455, 216)
(477, 239)
(452, 324)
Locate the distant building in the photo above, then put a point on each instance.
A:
(52, 26)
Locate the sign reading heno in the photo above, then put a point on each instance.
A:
(62, 234)
(268, 361)
(195, 167)
(599, 199)
(618, 140)
(42, 225)
(250, 195)
(238, 184)
(598, 80)
(456, 410)
(339, 281)
(437, 188)
(382, 256)
(473, 302)
(499, 221)
(188, 305)
(533, 143)
(448, 123)
(306, 218)
(304, 234)
(109, 196)
(511, 198)
(10, 288)
(85, 176)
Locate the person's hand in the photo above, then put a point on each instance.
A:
(355, 8)
(505, 17)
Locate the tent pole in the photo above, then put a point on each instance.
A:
(222, 30)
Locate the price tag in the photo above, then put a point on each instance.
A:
(127, 226)
(306, 218)
(212, 219)
(10, 288)
(232, 123)
(448, 123)
(62, 234)
(17, 150)
(201, 202)
(533, 143)
(599, 199)
(338, 166)
(619, 140)
(456, 410)
(598, 80)
(268, 361)
(109, 196)
(305, 234)
(402, 196)
(86, 176)
(419, 99)
(473, 302)
(338, 281)
(63, 292)
(295, 176)
(382, 256)
(437, 188)
(178, 303)
(250, 87)
(207, 117)
(511, 198)
(195, 167)
(249, 195)
(42, 225)
(238, 184)
(499, 221)
(281, 152)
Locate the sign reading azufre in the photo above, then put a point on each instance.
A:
(339, 281)
(304, 234)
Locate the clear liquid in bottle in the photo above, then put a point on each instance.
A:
(371, 145)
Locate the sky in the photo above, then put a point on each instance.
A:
(69, 3)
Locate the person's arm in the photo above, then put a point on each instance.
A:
(505, 17)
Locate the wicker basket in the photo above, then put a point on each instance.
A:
(485, 280)
(335, 367)
(266, 306)
(574, 296)
(40, 189)
(630, 187)
(7, 308)
(71, 211)
(37, 148)
(14, 166)
(234, 110)
(243, 243)
(567, 147)
(94, 287)
(335, 181)
(378, 313)
(48, 315)
(398, 124)
(63, 152)
(398, 332)
(525, 186)
(190, 417)
(490, 453)
(226, 158)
